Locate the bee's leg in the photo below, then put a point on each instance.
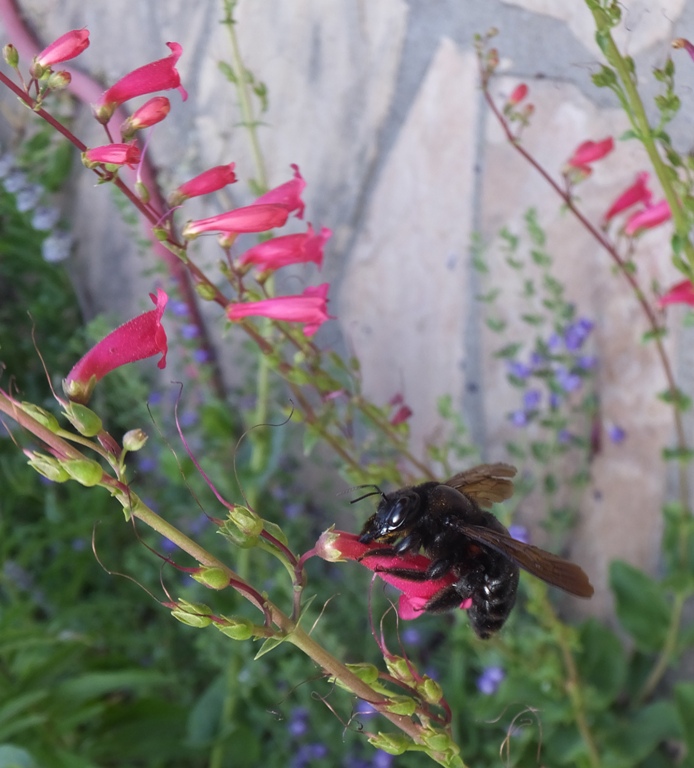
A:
(448, 598)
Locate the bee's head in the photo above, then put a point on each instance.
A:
(394, 517)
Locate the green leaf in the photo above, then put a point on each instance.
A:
(677, 398)
(602, 663)
(510, 350)
(270, 644)
(684, 702)
(641, 606)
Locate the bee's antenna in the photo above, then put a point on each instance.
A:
(376, 492)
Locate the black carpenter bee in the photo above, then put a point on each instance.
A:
(449, 523)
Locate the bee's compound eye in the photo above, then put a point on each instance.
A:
(397, 514)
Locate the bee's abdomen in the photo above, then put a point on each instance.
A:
(492, 600)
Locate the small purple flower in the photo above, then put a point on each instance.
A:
(45, 217)
(576, 334)
(519, 533)
(554, 342)
(554, 400)
(564, 437)
(412, 636)
(188, 418)
(586, 362)
(298, 722)
(518, 369)
(308, 752)
(56, 247)
(532, 399)
(28, 198)
(567, 380)
(179, 308)
(78, 545)
(382, 759)
(490, 679)
(519, 418)
(190, 331)
(364, 709)
(167, 545)
(201, 356)
(616, 434)
(15, 180)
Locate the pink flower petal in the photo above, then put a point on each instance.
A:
(137, 339)
(648, 218)
(590, 151)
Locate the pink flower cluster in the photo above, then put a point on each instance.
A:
(339, 545)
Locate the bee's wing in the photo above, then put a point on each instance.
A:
(546, 566)
(485, 483)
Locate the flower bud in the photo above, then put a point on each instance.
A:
(44, 417)
(11, 55)
(134, 440)
(247, 521)
(59, 81)
(430, 691)
(48, 467)
(214, 578)
(85, 471)
(399, 668)
(83, 419)
(392, 743)
(237, 628)
(401, 705)
(367, 673)
(193, 614)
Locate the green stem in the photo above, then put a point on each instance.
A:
(639, 120)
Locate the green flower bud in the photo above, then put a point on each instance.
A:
(11, 55)
(205, 292)
(246, 521)
(214, 578)
(399, 668)
(134, 440)
(430, 690)
(85, 471)
(83, 419)
(58, 81)
(191, 619)
(49, 467)
(392, 743)
(367, 673)
(193, 614)
(142, 192)
(401, 705)
(44, 417)
(161, 233)
(237, 629)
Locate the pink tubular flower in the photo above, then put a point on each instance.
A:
(287, 194)
(66, 47)
(680, 293)
(113, 154)
(150, 113)
(681, 42)
(160, 75)
(338, 545)
(141, 337)
(590, 151)
(252, 218)
(205, 183)
(401, 415)
(517, 95)
(638, 192)
(648, 218)
(288, 249)
(310, 308)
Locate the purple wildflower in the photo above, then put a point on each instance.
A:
(298, 722)
(616, 434)
(518, 369)
(586, 362)
(519, 533)
(532, 399)
(519, 418)
(567, 380)
(490, 679)
(576, 334)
